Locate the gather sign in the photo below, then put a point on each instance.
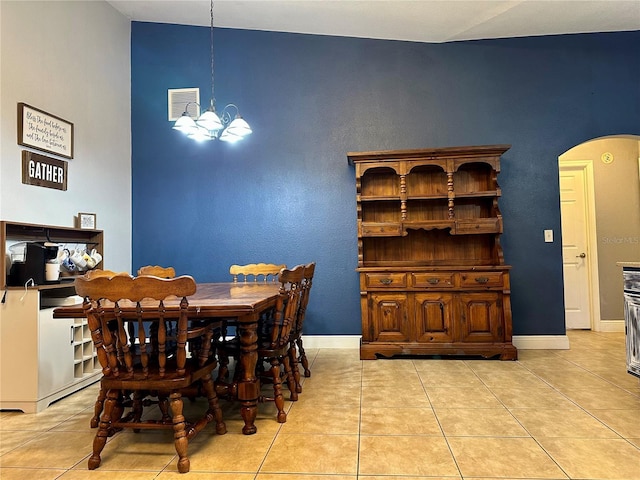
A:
(43, 171)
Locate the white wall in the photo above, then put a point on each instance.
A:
(72, 60)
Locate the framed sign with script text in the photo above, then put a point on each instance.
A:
(43, 131)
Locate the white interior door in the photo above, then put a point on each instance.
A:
(577, 301)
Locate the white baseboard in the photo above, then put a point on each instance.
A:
(541, 342)
(524, 342)
(610, 326)
(331, 341)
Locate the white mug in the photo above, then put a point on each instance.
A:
(78, 260)
(65, 261)
(90, 262)
(96, 257)
(51, 271)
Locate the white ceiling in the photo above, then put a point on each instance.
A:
(418, 20)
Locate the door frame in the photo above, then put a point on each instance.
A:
(592, 239)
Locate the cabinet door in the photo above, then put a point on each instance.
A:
(55, 357)
(481, 317)
(388, 317)
(19, 346)
(433, 313)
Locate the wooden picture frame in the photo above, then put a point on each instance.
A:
(86, 221)
(43, 171)
(45, 132)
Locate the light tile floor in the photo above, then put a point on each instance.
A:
(553, 414)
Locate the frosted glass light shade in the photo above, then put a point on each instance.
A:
(209, 120)
(239, 127)
(185, 124)
(229, 137)
(200, 134)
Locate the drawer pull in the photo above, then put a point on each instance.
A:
(434, 281)
(482, 279)
(386, 281)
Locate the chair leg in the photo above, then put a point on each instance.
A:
(223, 357)
(303, 358)
(137, 408)
(179, 432)
(293, 356)
(223, 369)
(277, 390)
(291, 383)
(103, 428)
(97, 408)
(214, 406)
(163, 405)
(116, 413)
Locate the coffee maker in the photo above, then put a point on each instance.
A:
(32, 266)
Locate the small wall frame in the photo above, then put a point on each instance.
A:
(86, 221)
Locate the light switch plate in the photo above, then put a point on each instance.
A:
(548, 236)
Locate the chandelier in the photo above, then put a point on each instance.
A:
(228, 126)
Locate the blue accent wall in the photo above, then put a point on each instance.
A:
(287, 195)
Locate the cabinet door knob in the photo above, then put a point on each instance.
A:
(482, 279)
(434, 281)
(386, 281)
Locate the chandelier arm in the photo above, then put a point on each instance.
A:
(226, 116)
(186, 107)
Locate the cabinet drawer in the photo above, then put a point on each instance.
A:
(481, 279)
(433, 280)
(381, 229)
(478, 225)
(386, 280)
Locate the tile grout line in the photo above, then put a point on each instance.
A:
(444, 436)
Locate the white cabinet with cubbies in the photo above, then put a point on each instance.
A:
(42, 358)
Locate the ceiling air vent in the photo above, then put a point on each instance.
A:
(178, 99)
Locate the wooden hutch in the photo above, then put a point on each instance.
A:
(432, 274)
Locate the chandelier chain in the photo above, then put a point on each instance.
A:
(213, 101)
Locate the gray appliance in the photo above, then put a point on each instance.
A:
(631, 278)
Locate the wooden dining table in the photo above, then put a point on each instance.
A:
(244, 302)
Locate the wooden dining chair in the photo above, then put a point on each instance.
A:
(264, 272)
(134, 375)
(161, 272)
(157, 271)
(170, 272)
(102, 394)
(299, 355)
(273, 347)
(274, 335)
(251, 272)
(104, 273)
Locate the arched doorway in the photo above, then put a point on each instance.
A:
(600, 213)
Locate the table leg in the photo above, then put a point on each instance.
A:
(248, 385)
